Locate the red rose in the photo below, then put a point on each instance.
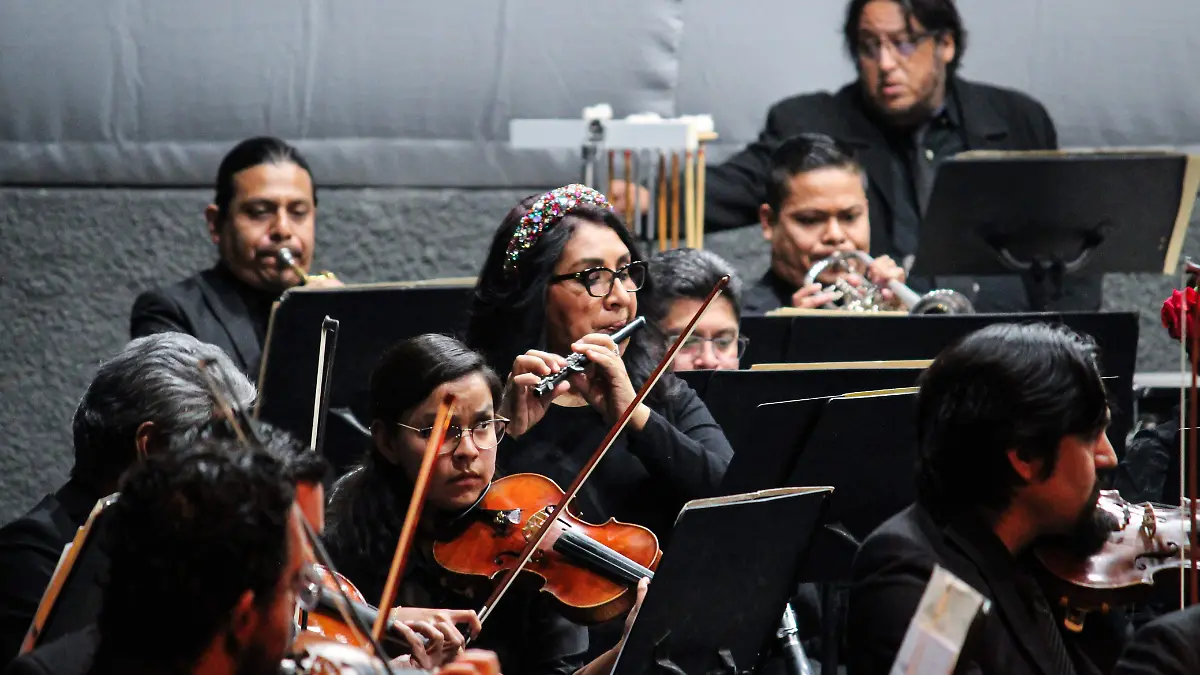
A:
(1172, 314)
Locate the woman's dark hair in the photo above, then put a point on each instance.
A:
(250, 153)
(507, 316)
(937, 16)
(688, 273)
(1003, 387)
(367, 506)
(803, 153)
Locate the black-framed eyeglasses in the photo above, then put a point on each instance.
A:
(599, 281)
(485, 433)
(871, 46)
(725, 345)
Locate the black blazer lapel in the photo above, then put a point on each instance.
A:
(1006, 600)
(233, 315)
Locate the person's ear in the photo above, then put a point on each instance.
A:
(244, 620)
(1030, 470)
(382, 442)
(945, 48)
(145, 439)
(212, 215)
(766, 217)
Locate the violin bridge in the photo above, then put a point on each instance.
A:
(1149, 522)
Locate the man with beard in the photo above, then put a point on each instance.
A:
(907, 112)
(265, 201)
(1011, 427)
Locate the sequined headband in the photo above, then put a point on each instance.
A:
(545, 212)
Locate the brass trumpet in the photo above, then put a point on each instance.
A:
(869, 297)
(286, 259)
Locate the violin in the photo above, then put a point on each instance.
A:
(1147, 539)
(592, 571)
(326, 619)
(316, 655)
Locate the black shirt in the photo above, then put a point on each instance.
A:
(646, 477)
(770, 292)
(364, 519)
(30, 548)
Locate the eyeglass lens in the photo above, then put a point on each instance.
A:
(600, 281)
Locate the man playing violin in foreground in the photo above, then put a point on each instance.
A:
(1010, 435)
(265, 201)
(816, 206)
(149, 393)
(308, 470)
(206, 563)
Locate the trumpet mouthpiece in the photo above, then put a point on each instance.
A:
(285, 256)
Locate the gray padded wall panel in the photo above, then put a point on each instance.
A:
(399, 92)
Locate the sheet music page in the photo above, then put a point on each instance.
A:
(936, 634)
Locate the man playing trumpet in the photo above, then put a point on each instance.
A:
(816, 206)
(262, 223)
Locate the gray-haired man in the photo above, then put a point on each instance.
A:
(149, 392)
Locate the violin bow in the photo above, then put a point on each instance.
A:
(510, 576)
(408, 532)
(342, 599)
(1189, 478)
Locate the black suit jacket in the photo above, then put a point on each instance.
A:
(29, 551)
(993, 118)
(1169, 645)
(892, 569)
(69, 655)
(212, 307)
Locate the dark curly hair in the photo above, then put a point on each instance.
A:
(198, 528)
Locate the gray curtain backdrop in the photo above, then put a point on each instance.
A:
(115, 113)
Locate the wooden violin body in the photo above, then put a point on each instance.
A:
(592, 570)
(327, 622)
(1147, 539)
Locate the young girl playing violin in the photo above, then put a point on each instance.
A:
(562, 275)
(368, 505)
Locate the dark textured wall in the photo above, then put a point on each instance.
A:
(72, 261)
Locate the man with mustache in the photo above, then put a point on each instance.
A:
(907, 112)
(1011, 427)
(265, 201)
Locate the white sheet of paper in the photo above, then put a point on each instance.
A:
(939, 628)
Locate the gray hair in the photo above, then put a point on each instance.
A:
(688, 273)
(155, 379)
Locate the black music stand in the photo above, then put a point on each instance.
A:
(863, 447)
(858, 338)
(1050, 215)
(371, 318)
(733, 395)
(733, 548)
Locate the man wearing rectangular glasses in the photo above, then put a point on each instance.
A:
(906, 113)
